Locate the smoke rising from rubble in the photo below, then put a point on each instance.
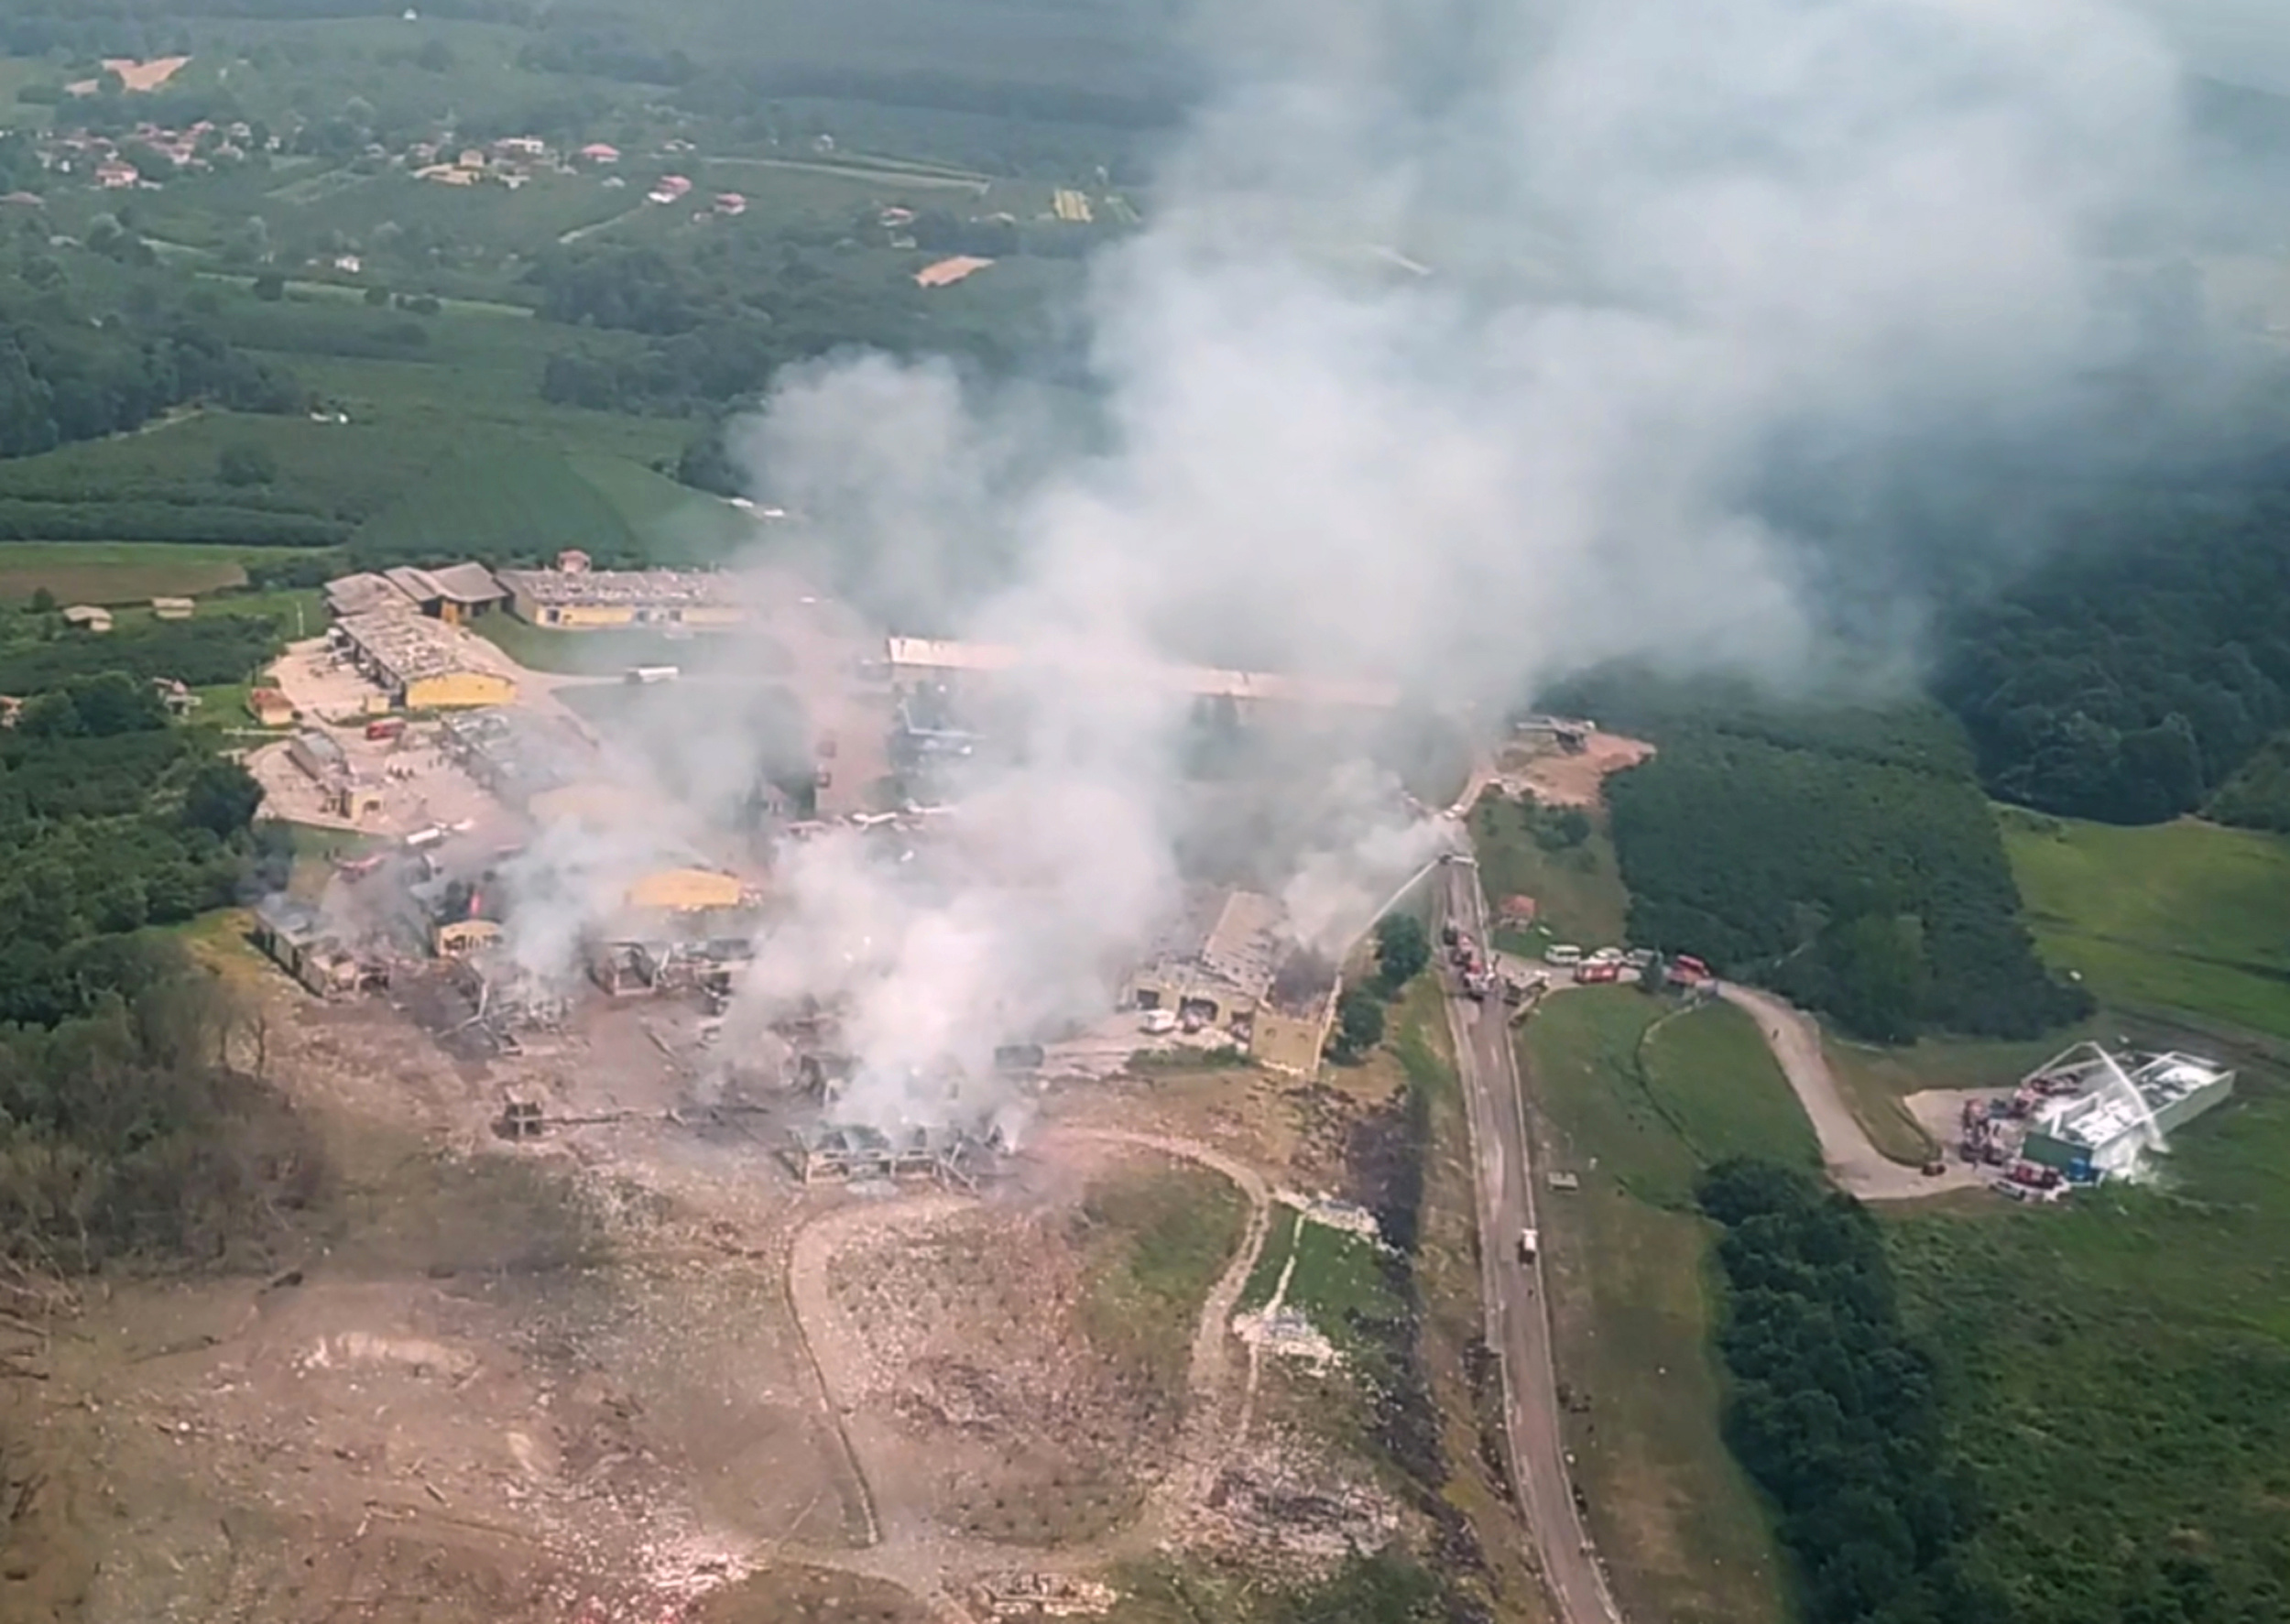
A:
(1455, 354)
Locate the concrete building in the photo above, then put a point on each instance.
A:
(1232, 962)
(270, 707)
(917, 662)
(415, 664)
(590, 600)
(2113, 1111)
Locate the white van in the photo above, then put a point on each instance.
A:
(1562, 953)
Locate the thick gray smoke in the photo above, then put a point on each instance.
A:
(1454, 354)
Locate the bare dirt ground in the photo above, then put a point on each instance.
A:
(1559, 778)
(571, 1381)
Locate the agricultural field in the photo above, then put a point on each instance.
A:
(532, 503)
(2185, 916)
(1638, 1101)
(113, 572)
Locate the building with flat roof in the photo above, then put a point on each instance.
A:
(2112, 1110)
(417, 663)
(1232, 962)
(932, 659)
(590, 599)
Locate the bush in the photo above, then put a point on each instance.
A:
(245, 465)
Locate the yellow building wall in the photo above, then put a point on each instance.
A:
(458, 690)
(704, 615)
(1289, 1043)
(685, 890)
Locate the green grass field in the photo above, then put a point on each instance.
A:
(1649, 1101)
(1579, 891)
(2120, 1370)
(124, 572)
(2184, 916)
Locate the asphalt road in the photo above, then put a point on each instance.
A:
(1517, 1307)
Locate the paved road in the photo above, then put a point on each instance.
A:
(1517, 1306)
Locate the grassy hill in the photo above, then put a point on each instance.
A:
(1637, 1103)
(2183, 916)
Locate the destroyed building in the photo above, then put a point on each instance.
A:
(517, 756)
(1232, 962)
(297, 938)
(917, 664)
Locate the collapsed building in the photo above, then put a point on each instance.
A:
(298, 938)
(517, 756)
(1232, 962)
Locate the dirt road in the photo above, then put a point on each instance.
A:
(1514, 1301)
(1854, 1164)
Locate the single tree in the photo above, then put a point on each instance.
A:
(1402, 951)
(1358, 1023)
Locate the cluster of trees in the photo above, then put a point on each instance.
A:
(73, 368)
(1847, 859)
(125, 1124)
(1833, 1409)
(206, 651)
(2127, 679)
(1402, 949)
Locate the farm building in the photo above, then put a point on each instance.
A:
(589, 600)
(415, 664)
(2115, 1110)
(88, 617)
(917, 662)
(270, 707)
(362, 594)
(1231, 961)
(173, 608)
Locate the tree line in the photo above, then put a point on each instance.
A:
(1834, 1411)
(1846, 858)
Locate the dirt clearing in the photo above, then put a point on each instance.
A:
(1556, 776)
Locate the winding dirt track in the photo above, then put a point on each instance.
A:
(932, 1567)
(1854, 1164)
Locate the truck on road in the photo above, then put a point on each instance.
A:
(1527, 1241)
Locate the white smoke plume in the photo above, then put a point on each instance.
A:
(1451, 355)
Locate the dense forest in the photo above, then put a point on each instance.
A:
(77, 365)
(1845, 857)
(2131, 676)
(1833, 1409)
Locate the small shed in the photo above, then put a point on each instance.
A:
(270, 707)
(173, 608)
(89, 617)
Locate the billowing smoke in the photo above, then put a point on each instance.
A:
(1460, 351)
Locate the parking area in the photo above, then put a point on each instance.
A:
(403, 784)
